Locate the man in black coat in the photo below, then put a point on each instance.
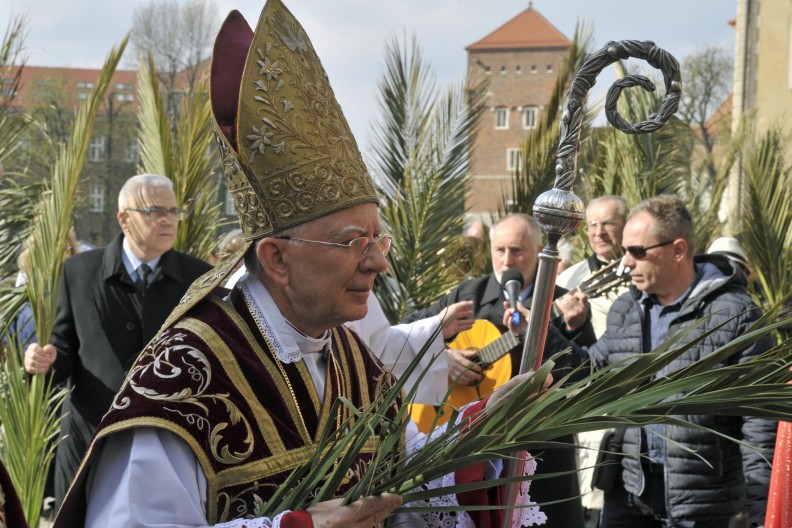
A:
(112, 302)
(515, 243)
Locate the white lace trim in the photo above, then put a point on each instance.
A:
(437, 519)
(260, 522)
(529, 515)
(256, 311)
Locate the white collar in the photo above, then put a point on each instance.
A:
(289, 343)
(132, 262)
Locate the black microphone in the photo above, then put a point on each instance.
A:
(512, 282)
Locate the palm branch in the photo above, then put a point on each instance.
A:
(620, 395)
(11, 123)
(28, 410)
(767, 217)
(15, 200)
(420, 165)
(180, 147)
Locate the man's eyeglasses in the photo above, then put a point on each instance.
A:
(639, 252)
(592, 226)
(357, 248)
(158, 213)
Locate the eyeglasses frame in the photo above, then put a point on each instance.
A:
(348, 246)
(159, 212)
(643, 249)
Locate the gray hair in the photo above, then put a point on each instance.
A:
(251, 260)
(533, 227)
(621, 204)
(133, 184)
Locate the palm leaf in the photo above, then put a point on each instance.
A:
(11, 123)
(180, 147)
(619, 395)
(28, 410)
(155, 142)
(767, 217)
(420, 166)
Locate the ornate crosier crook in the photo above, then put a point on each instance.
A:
(560, 211)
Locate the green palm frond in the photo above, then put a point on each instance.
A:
(767, 215)
(155, 141)
(28, 410)
(420, 170)
(15, 200)
(622, 394)
(180, 147)
(11, 123)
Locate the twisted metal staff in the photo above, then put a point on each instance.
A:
(560, 211)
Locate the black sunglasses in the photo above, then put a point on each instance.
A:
(639, 252)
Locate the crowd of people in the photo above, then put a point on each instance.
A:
(194, 389)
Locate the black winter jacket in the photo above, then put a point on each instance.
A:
(716, 477)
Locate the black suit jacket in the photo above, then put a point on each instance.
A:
(487, 296)
(101, 325)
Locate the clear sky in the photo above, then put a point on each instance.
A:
(350, 35)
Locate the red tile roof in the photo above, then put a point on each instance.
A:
(70, 82)
(527, 30)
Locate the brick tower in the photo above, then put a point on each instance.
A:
(520, 60)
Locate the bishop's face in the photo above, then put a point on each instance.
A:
(328, 285)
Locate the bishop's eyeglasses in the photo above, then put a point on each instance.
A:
(357, 248)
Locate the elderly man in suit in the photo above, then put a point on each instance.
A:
(112, 302)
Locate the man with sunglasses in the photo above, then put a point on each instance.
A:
(109, 308)
(676, 476)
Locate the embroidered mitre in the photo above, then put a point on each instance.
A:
(288, 153)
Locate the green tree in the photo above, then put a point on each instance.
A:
(179, 146)
(421, 143)
(707, 75)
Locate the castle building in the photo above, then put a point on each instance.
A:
(520, 61)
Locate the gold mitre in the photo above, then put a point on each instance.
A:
(288, 153)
